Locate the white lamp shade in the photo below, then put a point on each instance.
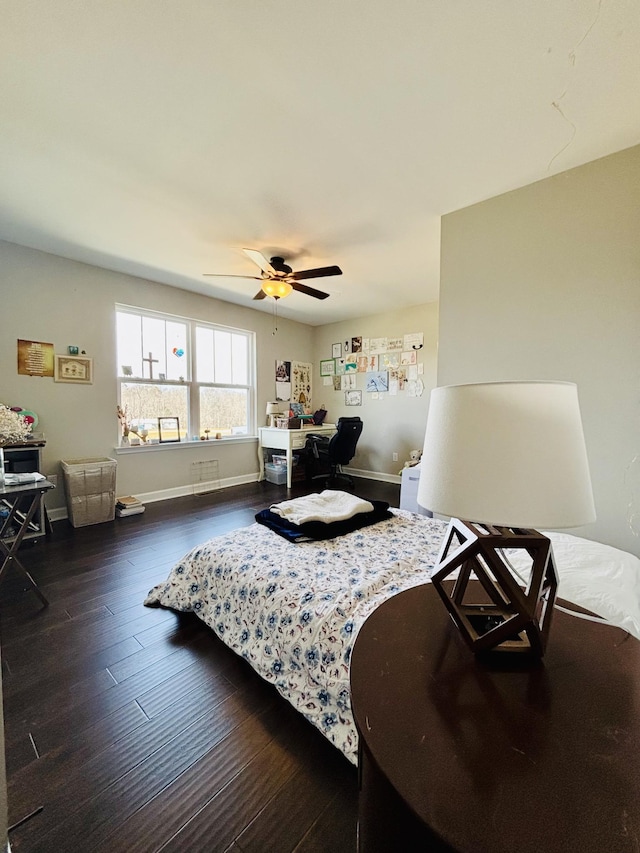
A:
(273, 408)
(510, 454)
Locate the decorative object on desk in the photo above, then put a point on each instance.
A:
(169, 430)
(30, 417)
(77, 369)
(320, 415)
(287, 423)
(73, 350)
(506, 457)
(273, 409)
(14, 426)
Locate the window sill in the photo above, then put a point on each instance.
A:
(181, 445)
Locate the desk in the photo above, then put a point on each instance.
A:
(23, 502)
(288, 440)
(457, 755)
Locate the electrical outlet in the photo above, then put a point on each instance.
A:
(53, 479)
(394, 457)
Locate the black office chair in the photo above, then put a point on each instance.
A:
(325, 456)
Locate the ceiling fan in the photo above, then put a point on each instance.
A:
(278, 279)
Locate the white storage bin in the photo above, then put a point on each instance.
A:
(275, 474)
(409, 491)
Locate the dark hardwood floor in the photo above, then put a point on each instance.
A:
(135, 729)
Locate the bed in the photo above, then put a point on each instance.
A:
(293, 610)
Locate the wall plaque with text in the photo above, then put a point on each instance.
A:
(35, 358)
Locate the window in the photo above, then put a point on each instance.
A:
(197, 372)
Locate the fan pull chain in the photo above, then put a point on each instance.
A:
(275, 315)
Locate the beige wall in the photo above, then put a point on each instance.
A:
(50, 299)
(544, 283)
(391, 423)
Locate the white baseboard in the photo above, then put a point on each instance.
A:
(183, 491)
(60, 513)
(373, 475)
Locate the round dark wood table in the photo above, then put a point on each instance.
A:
(484, 756)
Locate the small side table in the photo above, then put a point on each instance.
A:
(461, 755)
(23, 501)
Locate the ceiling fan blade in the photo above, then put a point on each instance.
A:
(259, 259)
(222, 275)
(260, 295)
(310, 291)
(317, 273)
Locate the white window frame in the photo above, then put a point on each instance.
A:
(192, 385)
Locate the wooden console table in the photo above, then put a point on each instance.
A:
(459, 755)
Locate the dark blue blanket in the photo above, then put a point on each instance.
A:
(313, 530)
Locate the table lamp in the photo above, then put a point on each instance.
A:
(503, 458)
(273, 409)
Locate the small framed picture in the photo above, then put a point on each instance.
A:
(77, 369)
(353, 398)
(327, 367)
(168, 430)
(336, 350)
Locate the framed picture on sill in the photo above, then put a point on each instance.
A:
(168, 430)
(77, 369)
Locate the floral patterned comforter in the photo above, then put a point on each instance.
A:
(294, 610)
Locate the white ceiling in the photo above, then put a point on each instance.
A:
(157, 137)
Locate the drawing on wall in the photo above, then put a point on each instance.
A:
(363, 363)
(349, 382)
(283, 371)
(336, 350)
(353, 398)
(409, 357)
(413, 341)
(350, 365)
(356, 344)
(283, 381)
(301, 382)
(377, 381)
(327, 367)
(378, 345)
(389, 360)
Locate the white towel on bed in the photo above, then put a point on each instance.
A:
(328, 506)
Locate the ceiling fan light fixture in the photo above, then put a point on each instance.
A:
(278, 288)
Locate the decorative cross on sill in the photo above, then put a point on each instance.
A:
(151, 361)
